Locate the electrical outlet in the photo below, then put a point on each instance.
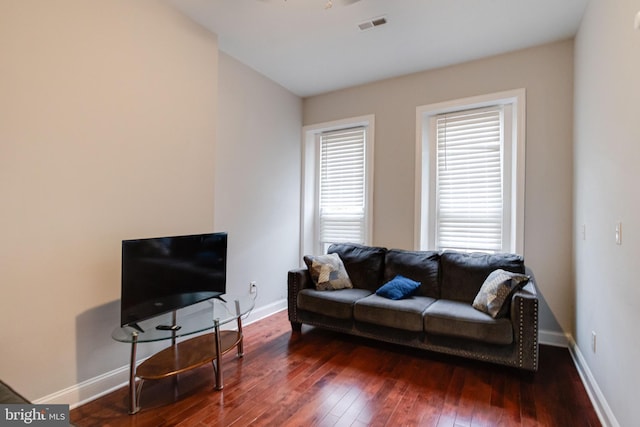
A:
(593, 341)
(253, 288)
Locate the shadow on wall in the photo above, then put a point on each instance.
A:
(549, 330)
(97, 354)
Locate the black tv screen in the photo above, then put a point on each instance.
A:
(163, 274)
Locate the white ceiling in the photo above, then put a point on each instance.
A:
(310, 50)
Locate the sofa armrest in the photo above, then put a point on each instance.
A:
(524, 317)
(297, 279)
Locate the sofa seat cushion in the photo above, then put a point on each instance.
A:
(338, 304)
(460, 319)
(403, 314)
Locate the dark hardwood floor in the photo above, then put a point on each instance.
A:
(320, 378)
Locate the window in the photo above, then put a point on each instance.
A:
(337, 184)
(470, 174)
(469, 188)
(341, 198)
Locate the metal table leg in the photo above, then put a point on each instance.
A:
(133, 401)
(240, 343)
(219, 385)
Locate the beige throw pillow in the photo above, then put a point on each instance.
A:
(496, 291)
(328, 272)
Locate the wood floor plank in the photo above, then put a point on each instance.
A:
(322, 378)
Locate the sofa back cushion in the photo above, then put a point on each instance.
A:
(462, 274)
(364, 264)
(421, 266)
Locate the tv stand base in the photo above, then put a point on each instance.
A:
(181, 357)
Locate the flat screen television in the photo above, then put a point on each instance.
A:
(163, 274)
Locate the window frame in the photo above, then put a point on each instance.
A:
(425, 189)
(309, 235)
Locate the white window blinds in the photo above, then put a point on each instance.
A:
(342, 187)
(469, 182)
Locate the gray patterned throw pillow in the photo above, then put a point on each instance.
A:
(328, 272)
(496, 291)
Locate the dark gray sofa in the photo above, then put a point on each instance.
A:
(438, 317)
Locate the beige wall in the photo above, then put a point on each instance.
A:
(107, 131)
(258, 180)
(546, 73)
(607, 155)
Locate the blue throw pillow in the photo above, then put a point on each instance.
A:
(397, 288)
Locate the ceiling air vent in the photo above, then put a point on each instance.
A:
(375, 22)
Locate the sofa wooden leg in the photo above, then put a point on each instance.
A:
(296, 326)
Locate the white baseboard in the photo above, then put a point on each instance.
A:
(266, 311)
(602, 408)
(93, 388)
(89, 390)
(559, 339)
(553, 338)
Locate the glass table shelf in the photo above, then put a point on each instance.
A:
(190, 353)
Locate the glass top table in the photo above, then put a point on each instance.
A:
(191, 353)
(200, 317)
